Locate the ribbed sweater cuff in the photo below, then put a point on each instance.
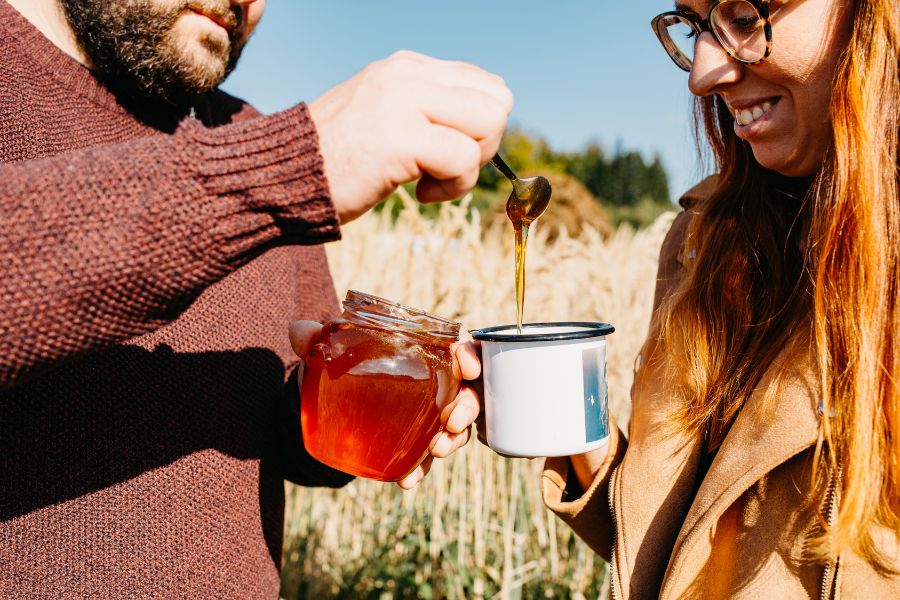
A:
(271, 175)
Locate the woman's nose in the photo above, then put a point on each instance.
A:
(712, 66)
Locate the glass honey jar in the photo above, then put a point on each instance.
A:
(375, 381)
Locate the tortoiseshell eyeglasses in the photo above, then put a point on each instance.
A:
(741, 27)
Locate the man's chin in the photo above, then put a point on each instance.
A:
(198, 68)
(204, 69)
(143, 48)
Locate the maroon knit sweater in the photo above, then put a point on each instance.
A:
(151, 263)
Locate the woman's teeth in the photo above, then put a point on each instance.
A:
(748, 115)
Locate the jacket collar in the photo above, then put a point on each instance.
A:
(769, 430)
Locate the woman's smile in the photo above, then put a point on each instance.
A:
(753, 117)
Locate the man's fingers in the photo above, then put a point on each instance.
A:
(490, 146)
(446, 443)
(450, 162)
(446, 153)
(463, 411)
(430, 190)
(418, 474)
(301, 334)
(453, 73)
(468, 359)
(413, 117)
(468, 110)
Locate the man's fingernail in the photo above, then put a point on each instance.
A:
(459, 420)
(442, 446)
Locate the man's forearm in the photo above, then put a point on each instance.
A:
(107, 243)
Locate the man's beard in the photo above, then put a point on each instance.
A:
(133, 44)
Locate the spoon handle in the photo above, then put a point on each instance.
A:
(503, 167)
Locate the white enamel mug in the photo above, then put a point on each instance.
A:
(545, 390)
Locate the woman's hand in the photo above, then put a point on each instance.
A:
(458, 416)
(588, 464)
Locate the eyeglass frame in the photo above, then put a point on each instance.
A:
(701, 26)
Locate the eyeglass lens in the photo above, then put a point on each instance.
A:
(737, 25)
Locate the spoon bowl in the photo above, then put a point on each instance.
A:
(528, 200)
(529, 197)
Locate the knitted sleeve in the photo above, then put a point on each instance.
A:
(107, 243)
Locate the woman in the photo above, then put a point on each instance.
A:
(763, 459)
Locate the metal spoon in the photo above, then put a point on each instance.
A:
(530, 196)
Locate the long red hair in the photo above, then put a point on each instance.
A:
(816, 267)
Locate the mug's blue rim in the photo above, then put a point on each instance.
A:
(588, 330)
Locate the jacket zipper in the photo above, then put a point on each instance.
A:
(613, 591)
(829, 574)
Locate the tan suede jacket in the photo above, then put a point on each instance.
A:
(740, 532)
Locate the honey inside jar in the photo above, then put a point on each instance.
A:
(373, 388)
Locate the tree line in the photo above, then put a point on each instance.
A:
(629, 186)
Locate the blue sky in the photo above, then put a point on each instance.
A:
(599, 73)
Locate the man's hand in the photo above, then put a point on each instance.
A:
(456, 417)
(405, 117)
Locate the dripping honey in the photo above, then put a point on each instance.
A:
(521, 232)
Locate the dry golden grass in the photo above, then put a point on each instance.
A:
(476, 527)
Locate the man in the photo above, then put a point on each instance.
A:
(158, 239)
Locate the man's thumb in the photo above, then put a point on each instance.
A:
(301, 334)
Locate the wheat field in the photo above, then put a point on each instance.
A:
(476, 527)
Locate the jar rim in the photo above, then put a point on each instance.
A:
(386, 313)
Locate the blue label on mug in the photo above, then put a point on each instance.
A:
(596, 425)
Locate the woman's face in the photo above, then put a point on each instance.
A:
(791, 88)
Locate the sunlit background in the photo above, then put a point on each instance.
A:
(581, 70)
(583, 73)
